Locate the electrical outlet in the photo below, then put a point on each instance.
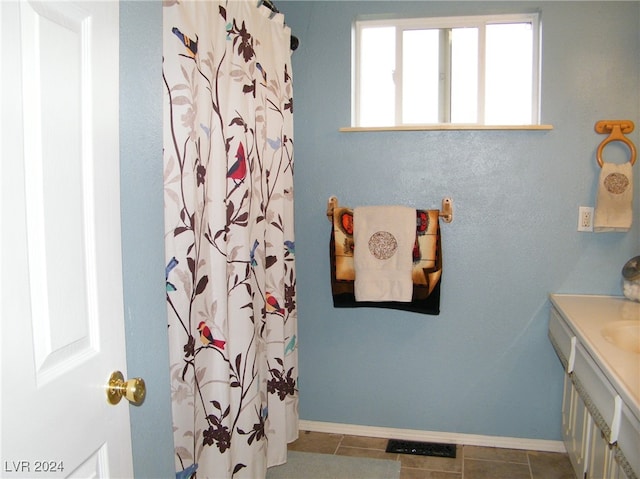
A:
(585, 218)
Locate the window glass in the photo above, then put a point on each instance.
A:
(420, 76)
(377, 66)
(464, 75)
(508, 74)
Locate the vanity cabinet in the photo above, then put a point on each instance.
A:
(600, 425)
(602, 463)
(590, 453)
(576, 426)
(629, 437)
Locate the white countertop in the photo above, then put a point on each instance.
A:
(587, 315)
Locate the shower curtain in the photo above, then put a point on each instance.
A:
(230, 271)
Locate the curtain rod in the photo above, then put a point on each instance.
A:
(271, 6)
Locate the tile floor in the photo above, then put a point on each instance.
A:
(471, 462)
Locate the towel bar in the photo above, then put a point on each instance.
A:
(446, 211)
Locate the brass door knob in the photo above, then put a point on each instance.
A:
(133, 390)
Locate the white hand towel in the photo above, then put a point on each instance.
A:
(614, 211)
(383, 244)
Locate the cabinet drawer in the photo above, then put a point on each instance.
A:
(562, 339)
(600, 391)
(629, 438)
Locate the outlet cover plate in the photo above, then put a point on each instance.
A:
(585, 218)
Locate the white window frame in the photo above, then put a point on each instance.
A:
(480, 22)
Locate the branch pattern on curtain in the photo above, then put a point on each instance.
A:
(230, 275)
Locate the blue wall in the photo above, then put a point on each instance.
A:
(484, 365)
(143, 234)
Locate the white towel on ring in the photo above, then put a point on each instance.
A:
(383, 237)
(614, 210)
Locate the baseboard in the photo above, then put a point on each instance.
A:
(434, 436)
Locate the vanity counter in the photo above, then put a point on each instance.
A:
(588, 316)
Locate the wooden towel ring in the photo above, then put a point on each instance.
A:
(616, 130)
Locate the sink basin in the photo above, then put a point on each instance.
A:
(624, 334)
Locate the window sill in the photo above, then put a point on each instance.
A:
(440, 127)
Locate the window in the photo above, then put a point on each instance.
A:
(480, 70)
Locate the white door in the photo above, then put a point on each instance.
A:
(61, 320)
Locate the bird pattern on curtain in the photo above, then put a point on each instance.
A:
(230, 248)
